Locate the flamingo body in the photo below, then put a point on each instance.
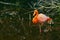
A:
(41, 18)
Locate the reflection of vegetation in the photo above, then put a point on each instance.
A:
(15, 21)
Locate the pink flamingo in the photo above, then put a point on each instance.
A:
(40, 18)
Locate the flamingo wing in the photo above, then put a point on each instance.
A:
(42, 17)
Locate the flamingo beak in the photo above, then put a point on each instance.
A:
(33, 14)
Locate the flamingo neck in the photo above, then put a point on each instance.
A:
(36, 14)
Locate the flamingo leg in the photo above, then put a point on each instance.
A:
(50, 28)
(40, 25)
(50, 23)
(40, 28)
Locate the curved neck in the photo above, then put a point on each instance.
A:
(36, 13)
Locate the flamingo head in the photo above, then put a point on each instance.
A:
(35, 12)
